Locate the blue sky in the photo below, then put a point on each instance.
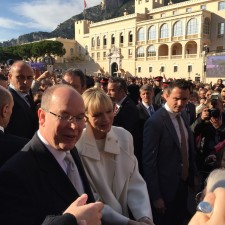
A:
(18, 17)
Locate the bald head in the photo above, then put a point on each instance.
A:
(6, 105)
(61, 116)
(21, 76)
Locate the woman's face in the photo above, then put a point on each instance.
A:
(101, 122)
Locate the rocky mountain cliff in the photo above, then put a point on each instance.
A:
(111, 9)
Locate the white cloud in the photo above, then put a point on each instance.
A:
(46, 14)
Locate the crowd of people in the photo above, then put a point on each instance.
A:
(88, 150)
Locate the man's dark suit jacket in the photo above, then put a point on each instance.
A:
(191, 112)
(10, 145)
(127, 117)
(33, 185)
(24, 120)
(162, 162)
(143, 116)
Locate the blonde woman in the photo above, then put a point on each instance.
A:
(107, 155)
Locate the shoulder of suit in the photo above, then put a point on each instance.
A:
(120, 132)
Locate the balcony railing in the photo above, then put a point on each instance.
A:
(151, 57)
(176, 56)
(163, 57)
(177, 38)
(191, 56)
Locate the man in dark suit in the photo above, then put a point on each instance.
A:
(168, 157)
(24, 121)
(36, 186)
(146, 109)
(126, 113)
(10, 144)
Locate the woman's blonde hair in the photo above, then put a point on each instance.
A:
(95, 100)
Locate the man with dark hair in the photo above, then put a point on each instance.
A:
(168, 156)
(126, 113)
(75, 78)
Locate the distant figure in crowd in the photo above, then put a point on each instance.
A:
(133, 90)
(107, 155)
(125, 111)
(3, 81)
(39, 185)
(168, 156)
(10, 144)
(24, 120)
(75, 78)
(146, 109)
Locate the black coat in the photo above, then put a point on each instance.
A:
(10, 145)
(33, 186)
(23, 121)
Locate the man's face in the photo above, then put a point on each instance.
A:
(62, 134)
(177, 99)
(146, 96)
(114, 92)
(73, 81)
(21, 77)
(202, 93)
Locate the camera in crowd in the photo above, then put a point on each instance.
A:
(214, 112)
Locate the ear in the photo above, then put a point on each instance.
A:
(41, 116)
(4, 111)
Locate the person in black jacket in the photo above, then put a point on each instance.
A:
(10, 144)
(35, 186)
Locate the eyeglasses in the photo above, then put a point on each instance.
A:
(22, 77)
(68, 118)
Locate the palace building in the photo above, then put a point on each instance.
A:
(173, 40)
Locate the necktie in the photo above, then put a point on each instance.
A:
(183, 148)
(73, 173)
(29, 100)
(151, 110)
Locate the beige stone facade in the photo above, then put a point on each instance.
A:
(156, 39)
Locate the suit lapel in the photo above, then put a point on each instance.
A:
(169, 124)
(144, 110)
(82, 173)
(53, 171)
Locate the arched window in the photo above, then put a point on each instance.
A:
(152, 33)
(92, 42)
(130, 36)
(151, 50)
(113, 39)
(206, 26)
(141, 52)
(121, 38)
(192, 26)
(177, 29)
(141, 34)
(86, 50)
(71, 51)
(164, 32)
(104, 40)
(98, 41)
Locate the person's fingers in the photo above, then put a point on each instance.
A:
(218, 207)
(200, 217)
(81, 200)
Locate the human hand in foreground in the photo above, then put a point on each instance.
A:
(217, 216)
(86, 214)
